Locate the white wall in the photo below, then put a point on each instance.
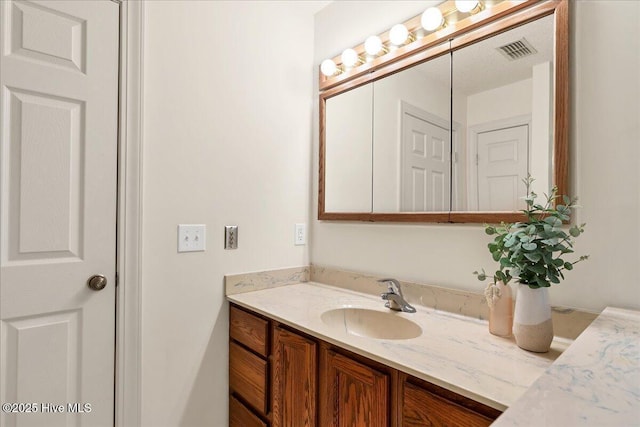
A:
(605, 76)
(504, 102)
(227, 130)
(348, 151)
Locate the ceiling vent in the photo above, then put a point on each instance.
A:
(517, 50)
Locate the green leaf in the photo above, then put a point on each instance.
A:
(553, 221)
(495, 256)
(505, 262)
(557, 262)
(541, 282)
(533, 256)
(574, 231)
(490, 230)
(568, 266)
(537, 268)
(529, 246)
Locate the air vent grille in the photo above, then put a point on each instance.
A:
(517, 49)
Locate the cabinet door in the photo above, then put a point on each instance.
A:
(422, 408)
(352, 394)
(294, 379)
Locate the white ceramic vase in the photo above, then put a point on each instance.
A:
(532, 326)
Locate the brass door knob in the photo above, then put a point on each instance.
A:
(97, 282)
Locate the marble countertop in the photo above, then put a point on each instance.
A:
(595, 382)
(454, 351)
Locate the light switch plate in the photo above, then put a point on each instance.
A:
(231, 237)
(192, 237)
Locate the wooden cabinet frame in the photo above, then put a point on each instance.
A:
(319, 361)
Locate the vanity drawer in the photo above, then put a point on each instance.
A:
(248, 376)
(249, 330)
(422, 407)
(240, 416)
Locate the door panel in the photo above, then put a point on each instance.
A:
(34, 233)
(58, 140)
(294, 379)
(42, 33)
(425, 166)
(502, 165)
(352, 394)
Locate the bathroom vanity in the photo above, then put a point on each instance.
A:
(295, 361)
(309, 353)
(280, 376)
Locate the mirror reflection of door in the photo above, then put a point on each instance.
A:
(426, 171)
(502, 164)
(503, 87)
(411, 148)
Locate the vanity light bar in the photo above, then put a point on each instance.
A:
(435, 25)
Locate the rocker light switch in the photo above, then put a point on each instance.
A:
(231, 237)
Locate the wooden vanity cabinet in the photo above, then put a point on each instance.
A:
(354, 391)
(294, 373)
(280, 377)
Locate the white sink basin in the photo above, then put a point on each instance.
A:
(371, 323)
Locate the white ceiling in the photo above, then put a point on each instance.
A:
(481, 67)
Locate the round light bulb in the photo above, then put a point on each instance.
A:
(349, 57)
(466, 6)
(373, 45)
(328, 67)
(432, 19)
(398, 34)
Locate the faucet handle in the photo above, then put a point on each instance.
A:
(392, 285)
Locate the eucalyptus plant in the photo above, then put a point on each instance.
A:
(534, 251)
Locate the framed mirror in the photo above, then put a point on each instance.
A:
(453, 127)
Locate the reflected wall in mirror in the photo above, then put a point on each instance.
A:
(348, 152)
(503, 91)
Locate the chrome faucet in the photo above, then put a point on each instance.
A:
(395, 299)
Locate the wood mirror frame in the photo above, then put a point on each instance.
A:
(501, 17)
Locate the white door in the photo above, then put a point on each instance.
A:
(426, 172)
(58, 121)
(502, 164)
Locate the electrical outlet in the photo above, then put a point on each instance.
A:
(231, 237)
(192, 237)
(300, 237)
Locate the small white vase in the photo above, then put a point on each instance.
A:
(532, 326)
